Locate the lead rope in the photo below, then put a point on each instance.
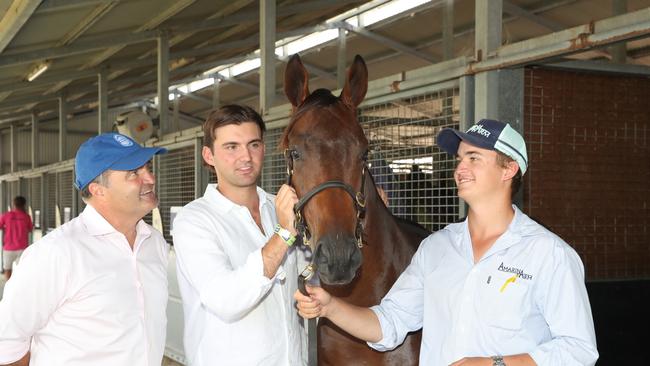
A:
(305, 276)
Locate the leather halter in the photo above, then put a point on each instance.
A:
(358, 198)
(302, 229)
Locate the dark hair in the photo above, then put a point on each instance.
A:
(228, 115)
(20, 202)
(503, 160)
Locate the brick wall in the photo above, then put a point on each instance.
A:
(588, 138)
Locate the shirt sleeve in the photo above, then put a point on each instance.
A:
(228, 292)
(36, 289)
(401, 310)
(563, 301)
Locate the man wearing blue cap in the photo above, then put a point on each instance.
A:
(496, 289)
(94, 291)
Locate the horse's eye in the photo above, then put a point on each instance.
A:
(295, 155)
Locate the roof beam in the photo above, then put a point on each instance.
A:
(76, 48)
(202, 99)
(516, 10)
(120, 39)
(176, 7)
(388, 42)
(245, 84)
(14, 19)
(223, 12)
(598, 34)
(48, 6)
(95, 15)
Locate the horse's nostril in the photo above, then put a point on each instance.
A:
(338, 260)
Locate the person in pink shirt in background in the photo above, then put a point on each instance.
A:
(16, 225)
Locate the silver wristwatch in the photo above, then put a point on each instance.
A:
(497, 361)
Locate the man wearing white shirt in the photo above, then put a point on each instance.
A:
(496, 289)
(94, 291)
(237, 265)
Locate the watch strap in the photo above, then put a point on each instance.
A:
(285, 235)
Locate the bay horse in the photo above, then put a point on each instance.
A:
(341, 211)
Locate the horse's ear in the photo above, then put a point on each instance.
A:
(296, 81)
(356, 83)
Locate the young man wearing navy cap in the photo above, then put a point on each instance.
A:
(94, 291)
(496, 289)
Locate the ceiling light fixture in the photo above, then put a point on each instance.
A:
(38, 70)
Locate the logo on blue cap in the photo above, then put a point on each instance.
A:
(109, 151)
(123, 140)
(488, 134)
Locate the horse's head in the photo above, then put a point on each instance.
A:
(326, 150)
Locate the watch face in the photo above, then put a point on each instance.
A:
(285, 234)
(497, 361)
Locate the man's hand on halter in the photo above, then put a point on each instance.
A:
(314, 305)
(285, 200)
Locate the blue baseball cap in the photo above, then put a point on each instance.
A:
(109, 151)
(488, 134)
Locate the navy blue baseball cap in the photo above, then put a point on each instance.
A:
(488, 134)
(109, 151)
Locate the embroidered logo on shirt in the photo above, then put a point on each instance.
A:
(518, 272)
(508, 281)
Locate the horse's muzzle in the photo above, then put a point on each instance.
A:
(338, 259)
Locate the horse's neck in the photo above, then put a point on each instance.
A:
(387, 251)
(385, 235)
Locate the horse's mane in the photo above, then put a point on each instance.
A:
(322, 98)
(407, 224)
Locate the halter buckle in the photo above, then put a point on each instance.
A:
(361, 200)
(308, 272)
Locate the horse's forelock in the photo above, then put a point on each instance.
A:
(319, 98)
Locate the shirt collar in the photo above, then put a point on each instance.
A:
(510, 237)
(97, 225)
(224, 204)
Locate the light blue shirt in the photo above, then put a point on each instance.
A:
(526, 295)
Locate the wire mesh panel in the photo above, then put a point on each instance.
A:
(14, 190)
(50, 199)
(588, 136)
(66, 191)
(404, 158)
(34, 199)
(175, 183)
(274, 173)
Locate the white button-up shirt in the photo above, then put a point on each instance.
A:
(234, 315)
(82, 296)
(526, 295)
